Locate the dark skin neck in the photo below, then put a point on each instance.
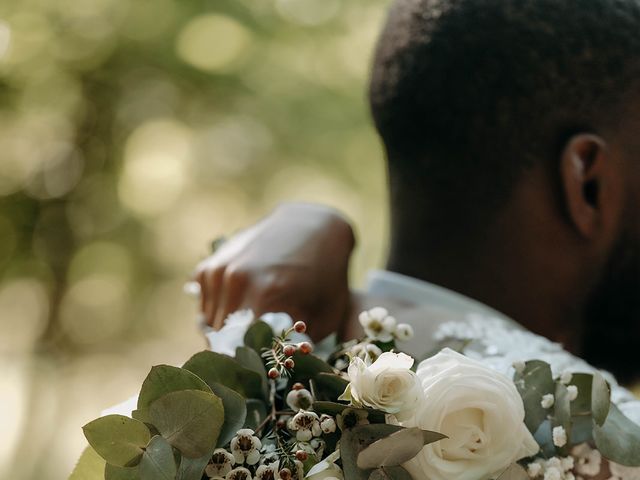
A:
(523, 264)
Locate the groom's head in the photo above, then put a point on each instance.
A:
(521, 111)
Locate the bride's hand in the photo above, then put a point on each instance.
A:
(295, 260)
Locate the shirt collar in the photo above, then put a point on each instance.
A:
(384, 283)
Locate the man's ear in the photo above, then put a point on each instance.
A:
(591, 185)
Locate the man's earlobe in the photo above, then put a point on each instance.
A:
(583, 169)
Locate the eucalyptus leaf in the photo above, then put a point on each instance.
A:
(259, 336)
(118, 439)
(158, 462)
(533, 383)
(215, 367)
(390, 473)
(582, 404)
(309, 366)
(514, 472)
(248, 358)
(355, 440)
(618, 439)
(256, 413)
(190, 420)
(600, 399)
(193, 468)
(111, 472)
(90, 466)
(397, 448)
(330, 385)
(163, 379)
(562, 408)
(235, 412)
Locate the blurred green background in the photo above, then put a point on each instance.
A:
(132, 132)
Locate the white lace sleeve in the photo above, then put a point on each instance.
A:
(500, 343)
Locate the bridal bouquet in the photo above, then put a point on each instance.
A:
(271, 408)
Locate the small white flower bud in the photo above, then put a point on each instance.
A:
(548, 400)
(573, 392)
(559, 436)
(565, 377)
(519, 367)
(534, 469)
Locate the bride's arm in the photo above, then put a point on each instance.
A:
(295, 260)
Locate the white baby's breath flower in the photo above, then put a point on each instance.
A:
(565, 377)
(480, 411)
(221, 463)
(245, 447)
(404, 332)
(534, 469)
(388, 384)
(589, 461)
(519, 366)
(378, 324)
(306, 425)
(573, 392)
(552, 473)
(567, 463)
(547, 400)
(559, 436)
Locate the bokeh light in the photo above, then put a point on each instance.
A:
(132, 133)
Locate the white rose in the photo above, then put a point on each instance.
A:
(480, 411)
(388, 384)
(332, 472)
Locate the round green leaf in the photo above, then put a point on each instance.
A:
(158, 462)
(190, 420)
(258, 336)
(618, 439)
(397, 448)
(111, 472)
(90, 466)
(535, 381)
(215, 367)
(235, 412)
(118, 439)
(600, 399)
(163, 379)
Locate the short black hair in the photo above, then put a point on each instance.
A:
(466, 94)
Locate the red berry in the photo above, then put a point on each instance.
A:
(289, 363)
(281, 424)
(302, 455)
(305, 348)
(273, 373)
(285, 474)
(300, 326)
(297, 386)
(289, 350)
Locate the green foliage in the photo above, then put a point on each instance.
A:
(390, 473)
(235, 412)
(112, 472)
(533, 383)
(258, 337)
(158, 462)
(90, 466)
(330, 385)
(192, 468)
(397, 448)
(190, 420)
(618, 439)
(163, 379)
(355, 440)
(118, 439)
(256, 413)
(600, 399)
(217, 368)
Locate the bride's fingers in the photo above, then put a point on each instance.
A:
(232, 294)
(211, 294)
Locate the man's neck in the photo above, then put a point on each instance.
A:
(521, 290)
